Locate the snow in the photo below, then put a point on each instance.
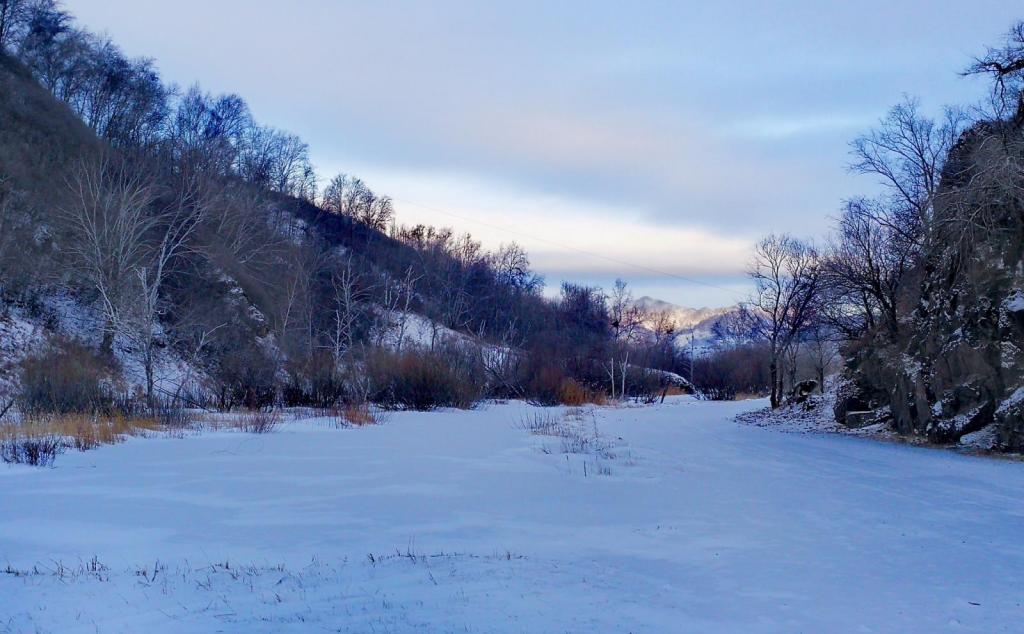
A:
(465, 521)
(985, 439)
(19, 336)
(63, 315)
(1015, 302)
(1011, 401)
(410, 328)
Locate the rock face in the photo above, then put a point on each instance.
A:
(957, 363)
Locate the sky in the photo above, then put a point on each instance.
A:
(650, 141)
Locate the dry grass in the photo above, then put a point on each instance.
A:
(574, 394)
(353, 415)
(539, 423)
(82, 431)
(674, 390)
(38, 439)
(361, 414)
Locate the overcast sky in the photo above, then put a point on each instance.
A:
(661, 135)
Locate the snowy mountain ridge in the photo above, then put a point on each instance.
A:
(684, 316)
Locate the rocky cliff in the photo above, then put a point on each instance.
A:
(956, 364)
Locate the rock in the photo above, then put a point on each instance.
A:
(850, 398)
(857, 419)
(949, 364)
(1009, 418)
(985, 439)
(803, 390)
(952, 429)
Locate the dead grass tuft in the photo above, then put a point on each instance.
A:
(37, 440)
(361, 414)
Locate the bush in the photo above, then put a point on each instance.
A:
(546, 384)
(315, 382)
(724, 374)
(259, 421)
(360, 414)
(39, 451)
(244, 376)
(69, 379)
(425, 380)
(172, 414)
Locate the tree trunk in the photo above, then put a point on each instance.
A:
(149, 383)
(773, 371)
(107, 344)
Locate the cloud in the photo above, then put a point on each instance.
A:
(561, 234)
(669, 133)
(783, 127)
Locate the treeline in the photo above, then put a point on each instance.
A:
(189, 228)
(917, 285)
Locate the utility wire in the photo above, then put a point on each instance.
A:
(560, 245)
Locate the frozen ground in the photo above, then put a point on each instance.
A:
(465, 522)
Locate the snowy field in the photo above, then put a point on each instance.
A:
(669, 518)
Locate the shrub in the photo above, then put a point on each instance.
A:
(644, 385)
(259, 421)
(172, 414)
(361, 414)
(539, 424)
(725, 373)
(425, 380)
(68, 379)
(314, 382)
(40, 451)
(547, 385)
(244, 376)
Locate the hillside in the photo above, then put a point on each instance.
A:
(185, 254)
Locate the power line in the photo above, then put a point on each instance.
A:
(560, 245)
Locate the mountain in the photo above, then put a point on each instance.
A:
(684, 317)
(696, 327)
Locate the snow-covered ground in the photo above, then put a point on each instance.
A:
(684, 521)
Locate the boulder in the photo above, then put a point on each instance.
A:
(803, 390)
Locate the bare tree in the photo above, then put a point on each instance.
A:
(109, 218)
(823, 349)
(864, 267)
(13, 14)
(174, 228)
(907, 153)
(349, 196)
(128, 235)
(9, 233)
(625, 319)
(347, 297)
(787, 275)
(1005, 64)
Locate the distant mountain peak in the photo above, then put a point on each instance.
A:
(685, 317)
